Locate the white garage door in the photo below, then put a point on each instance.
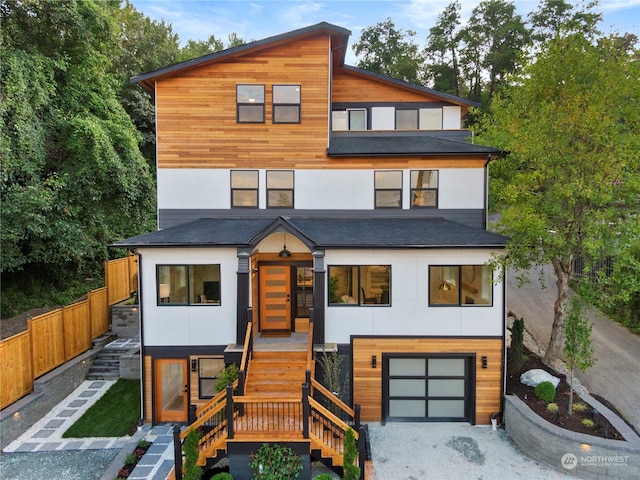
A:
(427, 388)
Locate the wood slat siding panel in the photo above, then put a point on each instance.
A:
(117, 279)
(99, 312)
(148, 390)
(196, 111)
(77, 329)
(351, 87)
(367, 383)
(47, 342)
(16, 366)
(133, 273)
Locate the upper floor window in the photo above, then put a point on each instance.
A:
(244, 188)
(350, 119)
(188, 284)
(279, 188)
(359, 285)
(388, 189)
(460, 285)
(407, 119)
(424, 188)
(286, 104)
(250, 103)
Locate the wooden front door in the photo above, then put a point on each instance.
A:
(171, 390)
(275, 298)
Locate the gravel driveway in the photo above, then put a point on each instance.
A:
(56, 465)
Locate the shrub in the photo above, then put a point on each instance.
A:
(130, 458)
(587, 422)
(192, 471)
(324, 476)
(580, 407)
(553, 408)
(351, 470)
(516, 353)
(275, 462)
(227, 377)
(546, 391)
(222, 476)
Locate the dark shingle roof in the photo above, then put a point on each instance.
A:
(378, 143)
(324, 232)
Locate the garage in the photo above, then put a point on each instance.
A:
(428, 388)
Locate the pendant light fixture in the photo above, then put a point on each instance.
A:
(284, 253)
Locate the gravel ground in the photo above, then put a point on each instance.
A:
(56, 465)
(411, 451)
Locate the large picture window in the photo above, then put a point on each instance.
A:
(424, 188)
(188, 284)
(279, 188)
(286, 104)
(250, 103)
(388, 189)
(359, 285)
(460, 285)
(350, 119)
(244, 188)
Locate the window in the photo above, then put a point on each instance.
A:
(388, 189)
(460, 285)
(244, 188)
(350, 119)
(250, 103)
(424, 188)
(286, 104)
(359, 285)
(188, 284)
(209, 370)
(430, 119)
(407, 119)
(279, 188)
(304, 291)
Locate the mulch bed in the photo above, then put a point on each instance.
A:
(562, 419)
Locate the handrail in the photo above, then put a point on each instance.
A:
(213, 402)
(200, 421)
(310, 347)
(330, 416)
(245, 349)
(343, 406)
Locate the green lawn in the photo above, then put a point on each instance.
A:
(113, 415)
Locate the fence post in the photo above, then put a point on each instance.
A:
(356, 415)
(230, 412)
(305, 410)
(241, 381)
(362, 451)
(192, 414)
(177, 452)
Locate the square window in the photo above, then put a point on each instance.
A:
(209, 370)
(406, 119)
(279, 188)
(244, 189)
(286, 104)
(250, 103)
(388, 189)
(424, 188)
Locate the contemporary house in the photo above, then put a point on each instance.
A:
(305, 201)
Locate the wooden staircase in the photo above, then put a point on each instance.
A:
(270, 404)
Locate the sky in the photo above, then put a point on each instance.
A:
(258, 19)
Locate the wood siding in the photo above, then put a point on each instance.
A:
(16, 365)
(148, 388)
(196, 111)
(367, 381)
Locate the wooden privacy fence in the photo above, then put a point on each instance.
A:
(56, 337)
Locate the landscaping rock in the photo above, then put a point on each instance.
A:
(536, 376)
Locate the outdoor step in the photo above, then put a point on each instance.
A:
(279, 354)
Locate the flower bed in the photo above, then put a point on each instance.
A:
(132, 459)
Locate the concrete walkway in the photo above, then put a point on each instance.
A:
(615, 376)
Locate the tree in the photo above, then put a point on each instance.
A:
(386, 50)
(555, 17)
(578, 348)
(199, 48)
(350, 456)
(442, 50)
(570, 184)
(73, 179)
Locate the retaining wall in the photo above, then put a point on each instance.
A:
(573, 453)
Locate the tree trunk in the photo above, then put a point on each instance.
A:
(554, 349)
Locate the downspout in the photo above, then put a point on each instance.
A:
(140, 334)
(486, 192)
(503, 380)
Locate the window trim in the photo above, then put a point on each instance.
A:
(292, 189)
(359, 287)
(398, 190)
(256, 189)
(460, 287)
(188, 303)
(412, 189)
(253, 104)
(274, 105)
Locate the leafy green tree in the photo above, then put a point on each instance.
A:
(554, 17)
(442, 51)
(578, 348)
(192, 471)
(73, 179)
(199, 48)
(350, 457)
(390, 51)
(570, 184)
